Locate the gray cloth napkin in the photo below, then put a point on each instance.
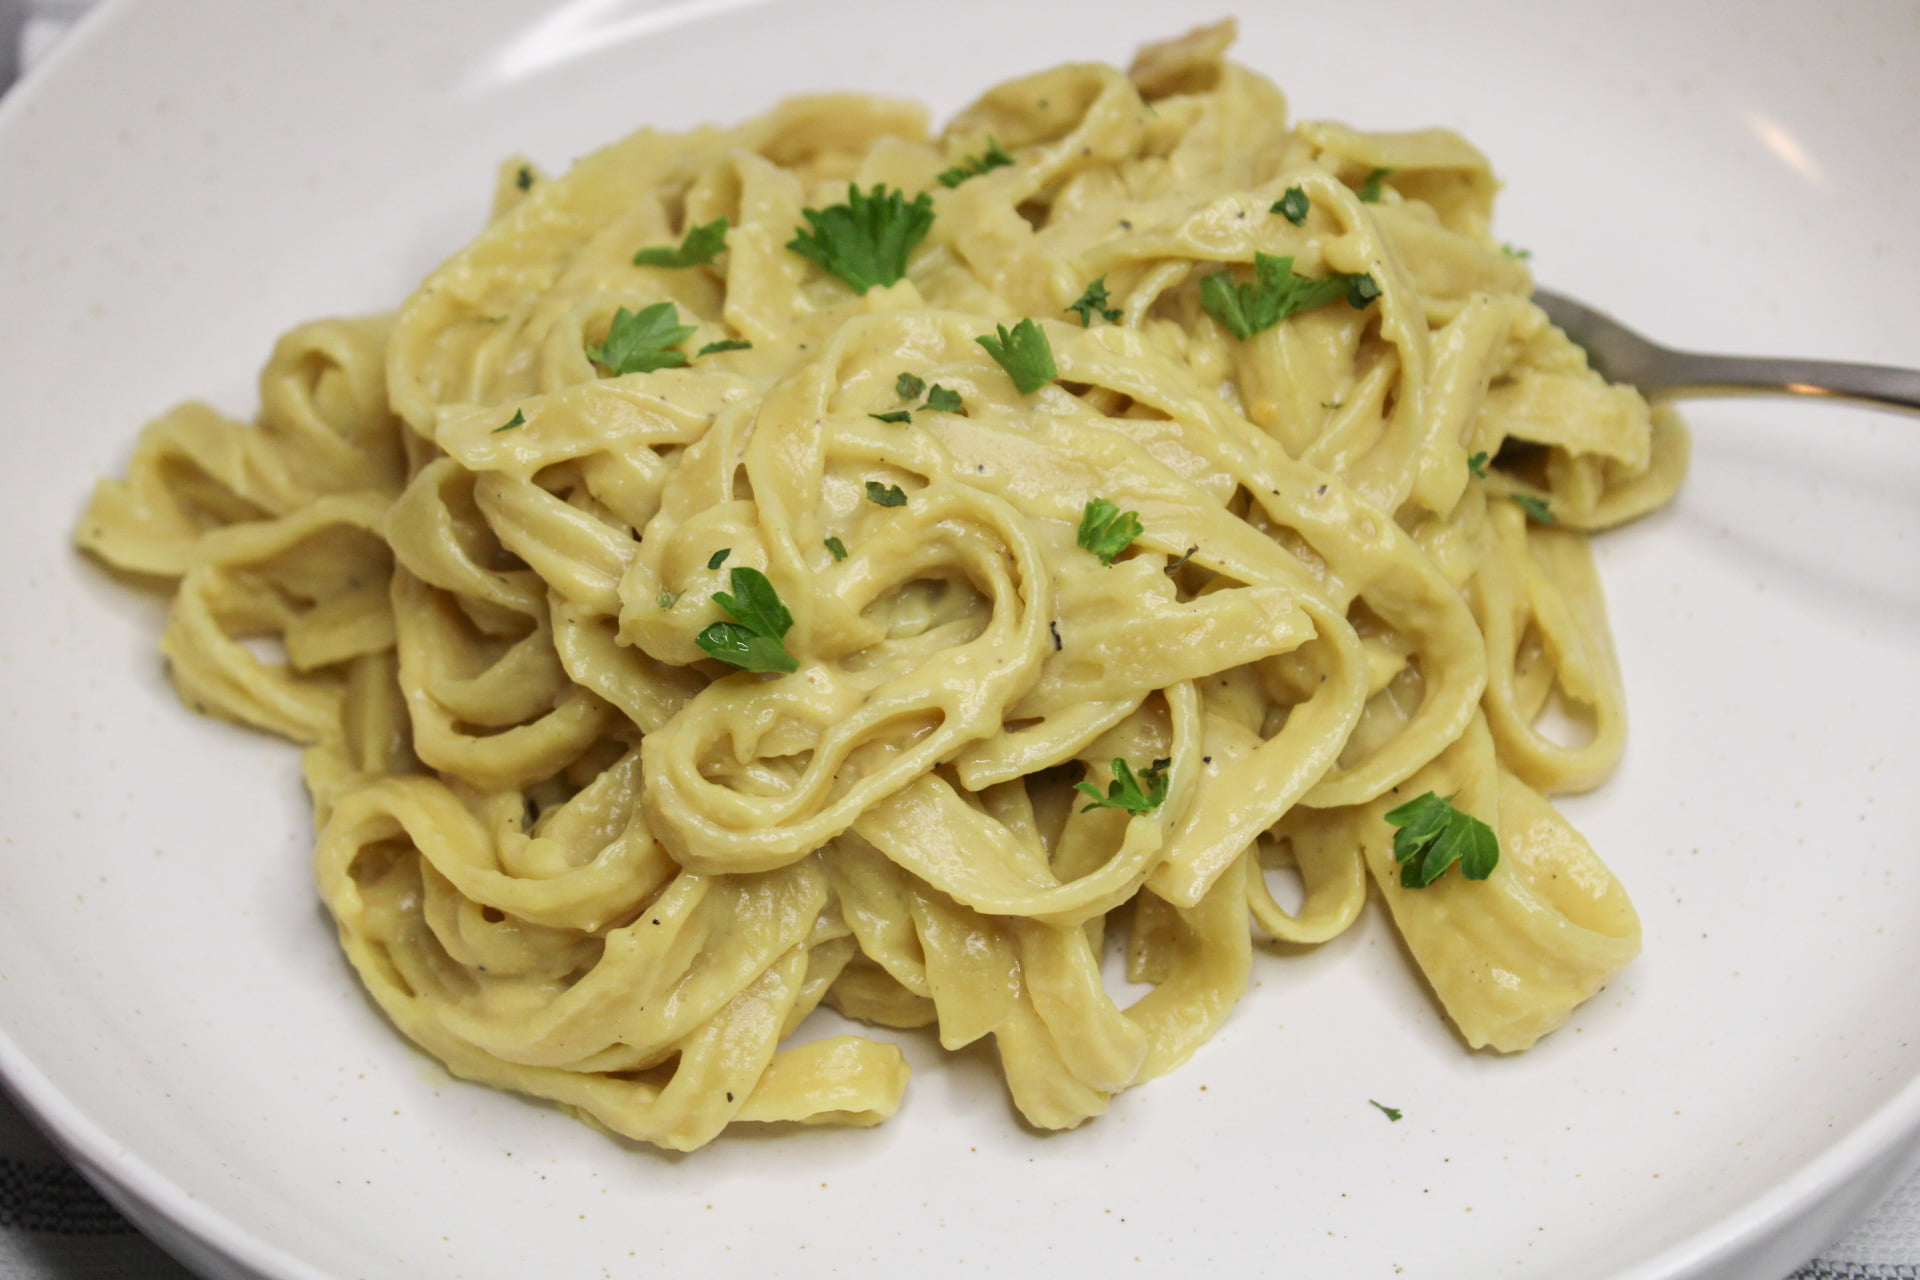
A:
(55, 1226)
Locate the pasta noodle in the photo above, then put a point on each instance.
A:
(478, 575)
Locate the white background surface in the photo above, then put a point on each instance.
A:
(173, 996)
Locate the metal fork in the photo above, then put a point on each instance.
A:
(1619, 354)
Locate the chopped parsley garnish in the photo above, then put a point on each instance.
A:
(524, 178)
(865, 241)
(1137, 795)
(1093, 303)
(1293, 206)
(518, 419)
(1536, 508)
(887, 495)
(1174, 566)
(909, 386)
(726, 344)
(1370, 189)
(1434, 835)
(974, 166)
(719, 557)
(1513, 252)
(1106, 530)
(1478, 464)
(667, 599)
(701, 246)
(945, 400)
(1275, 293)
(837, 548)
(1392, 1113)
(642, 341)
(1024, 353)
(752, 641)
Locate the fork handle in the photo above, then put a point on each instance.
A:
(1881, 384)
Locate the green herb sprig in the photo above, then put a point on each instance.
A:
(1293, 206)
(1024, 353)
(700, 246)
(866, 241)
(1275, 293)
(1106, 530)
(644, 340)
(1137, 794)
(910, 386)
(1093, 302)
(973, 166)
(1536, 508)
(944, 400)
(753, 641)
(1433, 835)
(886, 495)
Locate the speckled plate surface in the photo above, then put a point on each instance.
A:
(184, 181)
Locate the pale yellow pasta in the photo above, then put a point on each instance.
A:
(572, 855)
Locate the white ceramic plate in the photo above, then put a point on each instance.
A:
(179, 189)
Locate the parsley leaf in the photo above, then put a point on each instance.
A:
(908, 386)
(726, 344)
(518, 419)
(752, 641)
(701, 246)
(524, 178)
(1370, 189)
(1024, 353)
(719, 557)
(896, 416)
(887, 495)
(837, 548)
(945, 400)
(1275, 293)
(974, 166)
(1293, 206)
(1512, 252)
(1106, 530)
(1434, 835)
(1392, 1113)
(1536, 508)
(1478, 464)
(1361, 289)
(641, 341)
(667, 599)
(1137, 795)
(1093, 303)
(865, 241)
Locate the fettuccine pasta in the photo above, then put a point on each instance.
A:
(574, 853)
